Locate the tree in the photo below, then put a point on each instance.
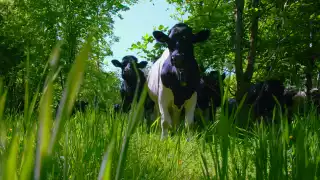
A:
(32, 28)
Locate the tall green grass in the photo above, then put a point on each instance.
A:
(107, 145)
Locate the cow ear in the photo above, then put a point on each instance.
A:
(160, 36)
(201, 36)
(116, 63)
(142, 64)
(223, 76)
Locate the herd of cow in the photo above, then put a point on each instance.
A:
(175, 84)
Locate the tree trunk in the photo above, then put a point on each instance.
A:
(238, 48)
(244, 78)
(253, 42)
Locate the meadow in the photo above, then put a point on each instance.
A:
(104, 145)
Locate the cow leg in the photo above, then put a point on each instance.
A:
(206, 115)
(176, 114)
(190, 106)
(165, 115)
(149, 112)
(165, 121)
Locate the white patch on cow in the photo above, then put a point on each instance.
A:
(154, 76)
(164, 98)
(190, 106)
(299, 101)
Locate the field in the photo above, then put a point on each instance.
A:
(92, 143)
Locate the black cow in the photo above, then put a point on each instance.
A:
(174, 78)
(79, 106)
(260, 96)
(130, 83)
(209, 95)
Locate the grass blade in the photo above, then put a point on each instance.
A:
(11, 163)
(45, 119)
(106, 165)
(28, 157)
(74, 81)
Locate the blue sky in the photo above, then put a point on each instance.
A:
(139, 20)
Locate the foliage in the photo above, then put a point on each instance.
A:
(34, 27)
(285, 31)
(150, 53)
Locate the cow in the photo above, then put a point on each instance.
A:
(261, 96)
(129, 84)
(79, 106)
(209, 95)
(293, 101)
(174, 78)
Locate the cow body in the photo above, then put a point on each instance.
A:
(209, 94)
(174, 78)
(130, 84)
(293, 102)
(130, 81)
(80, 106)
(260, 96)
(168, 96)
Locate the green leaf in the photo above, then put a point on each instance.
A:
(161, 27)
(134, 46)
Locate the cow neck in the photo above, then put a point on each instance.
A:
(132, 83)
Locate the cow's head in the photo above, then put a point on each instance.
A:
(179, 41)
(127, 68)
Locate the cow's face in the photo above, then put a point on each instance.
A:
(180, 42)
(127, 67)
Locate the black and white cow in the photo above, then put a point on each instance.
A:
(174, 78)
(209, 94)
(130, 80)
(293, 101)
